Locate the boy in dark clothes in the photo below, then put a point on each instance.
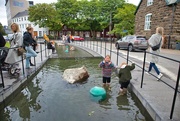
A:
(125, 76)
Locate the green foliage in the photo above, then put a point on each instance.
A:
(2, 30)
(126, 18)
(86, 15)
(45, 15)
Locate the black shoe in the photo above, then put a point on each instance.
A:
(32, 64)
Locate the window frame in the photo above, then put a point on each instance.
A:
(149, 2)
(147, 24)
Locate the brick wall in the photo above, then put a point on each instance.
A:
(161, 16)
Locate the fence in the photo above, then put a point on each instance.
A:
(98, 44)
(22, 60)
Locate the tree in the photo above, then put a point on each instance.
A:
(126, 18)
(45, 15)
(68, 12)
(2, 29)
(108, 8)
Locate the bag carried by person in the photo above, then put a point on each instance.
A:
(156, 47)
(20, 51)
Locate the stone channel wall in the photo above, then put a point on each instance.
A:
(161, 16)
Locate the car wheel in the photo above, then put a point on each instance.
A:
(130, 47)
(117, 46)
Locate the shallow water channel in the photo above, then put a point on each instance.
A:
(47, 97)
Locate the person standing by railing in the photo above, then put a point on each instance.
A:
(154, 40)
(28, 43)
(15, 42)
(2, 41)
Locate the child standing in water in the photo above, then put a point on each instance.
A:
(107, 67)
(125, 76)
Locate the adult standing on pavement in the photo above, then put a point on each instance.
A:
(154, 40)
(28, 43)
(15, 42)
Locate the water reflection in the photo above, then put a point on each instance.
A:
(24, 102)
(49, 98)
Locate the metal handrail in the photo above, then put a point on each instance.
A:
(22, 59)
(143, 69)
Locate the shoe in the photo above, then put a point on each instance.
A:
(32, 64)
(147, 73)
(159, 76)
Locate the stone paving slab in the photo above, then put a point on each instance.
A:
(155, 96)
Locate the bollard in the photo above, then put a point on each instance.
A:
(45, 49)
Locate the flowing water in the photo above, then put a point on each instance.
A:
(47, 97)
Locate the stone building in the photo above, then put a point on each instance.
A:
(153, 13)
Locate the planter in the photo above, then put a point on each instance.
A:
(177, 45)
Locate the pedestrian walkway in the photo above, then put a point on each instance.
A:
(13, 83)
(155, 96)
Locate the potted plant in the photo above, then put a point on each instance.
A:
(177, 44)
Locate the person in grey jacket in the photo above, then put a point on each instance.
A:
(154, 40)
(16, 41)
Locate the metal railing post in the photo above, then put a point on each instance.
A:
(97, 46)
(175, 93)
(2, 78)
(128, 55)
(117, 57)
(22, 60)
(101, 46)
(111, 47)
(87, 43)
(105, 49)
(41, 51)
(45, 49)
(144, 62)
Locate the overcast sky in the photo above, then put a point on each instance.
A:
(3, 18)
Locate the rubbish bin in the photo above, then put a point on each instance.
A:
(177, 45)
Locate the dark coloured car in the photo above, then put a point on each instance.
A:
(132, 42)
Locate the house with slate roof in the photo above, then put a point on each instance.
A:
(153, 13)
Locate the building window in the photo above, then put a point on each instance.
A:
(147, 25)
(24, 18)
(40, 33)
(149, 2)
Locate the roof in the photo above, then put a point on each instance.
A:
(142, 0)
(20, 14)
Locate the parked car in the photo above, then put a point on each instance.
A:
(133, 42)
(78, 38)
